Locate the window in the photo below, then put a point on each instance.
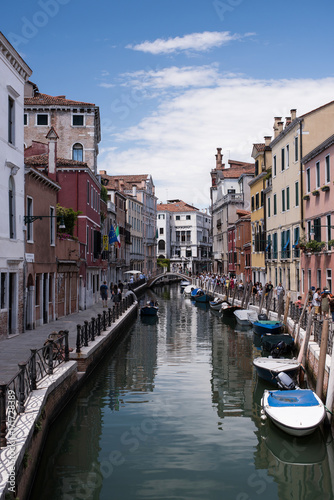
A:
(268, 207)
(308, 180)
(25, 119)
(161, 230)
(282, 159)
(78, 120)
(88, 190)
(317, 174)
(319, 278)
(42, 119)
(11, 199)
(11, 115)
(283, 200)
(327, 169)
(317, 229)
(262, 198)
(29, 224)
(287, 157)
(274, 166)
(297, 194)
(275, 204)
(275, 246)
(309, 280)
(257, 201)
(177, 217)
(188, 217)
(288, 198)
(3, 285)
(296, 148)
(256, 168)
(329, 232)
(77, 152)
(329, 279)
(52, 225)
(253, 203)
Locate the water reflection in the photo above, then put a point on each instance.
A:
(174, 412)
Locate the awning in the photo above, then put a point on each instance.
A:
(268, 246)
(296, 242)
(287, 244)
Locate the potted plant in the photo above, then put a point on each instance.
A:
(306, 197)
(325, 188)
(314, 246)
(330, 244)
(315, 192)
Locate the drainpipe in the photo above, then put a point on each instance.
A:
(301, 174)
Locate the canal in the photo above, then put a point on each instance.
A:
(173, 412)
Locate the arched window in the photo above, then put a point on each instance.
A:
(11, 199)
(161, 245)
(77, 152)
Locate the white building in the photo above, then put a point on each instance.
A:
(14, 72)
(184, 236)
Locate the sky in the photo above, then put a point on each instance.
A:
(176, 79)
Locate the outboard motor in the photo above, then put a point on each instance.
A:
(278, 349)
(262, 317)
(285, 382)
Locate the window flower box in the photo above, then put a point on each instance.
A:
(315, 193)
(306, 197)
(325, 188)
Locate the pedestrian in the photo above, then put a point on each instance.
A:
(316, 301)
(331, 305)
(104, 293)
(279, 290)
(298, 302)
(325, 303)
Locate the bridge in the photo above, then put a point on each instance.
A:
(155, 279)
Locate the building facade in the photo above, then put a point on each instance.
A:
(184, 236)
(14, 73)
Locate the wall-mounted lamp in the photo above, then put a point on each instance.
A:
(28, 219)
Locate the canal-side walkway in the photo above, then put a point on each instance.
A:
(14, 350)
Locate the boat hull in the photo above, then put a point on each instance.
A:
(269, 368)
(202, 298)
(262, 327)
(149, 311)
(298, 412)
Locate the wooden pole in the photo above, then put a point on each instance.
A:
(330, 391)
(270, 297)
(303, 350)
(322, 358)
(261, 301)
(280, 306)
(299, 321)
(248, 292)
(286, 311)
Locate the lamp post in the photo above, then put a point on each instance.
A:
(29, 219)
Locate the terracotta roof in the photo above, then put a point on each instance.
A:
(44, 159)
(49, 100)
(243, 212)
(235, 172)
(179, 206)
(126, 180)
(259, 147)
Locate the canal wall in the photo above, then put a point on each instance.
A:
(20, 458)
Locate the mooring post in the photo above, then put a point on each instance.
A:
(286, 311)
(322, 358)
(33, 369)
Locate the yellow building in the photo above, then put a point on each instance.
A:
(262, 156)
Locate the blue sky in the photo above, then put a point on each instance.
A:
(174, 80)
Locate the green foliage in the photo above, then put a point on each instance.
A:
(314, 246)
(69, 216)
(104, 194)
(163, 263)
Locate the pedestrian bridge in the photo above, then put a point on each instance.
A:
(169, 274)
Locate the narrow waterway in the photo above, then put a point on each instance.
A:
(173, 412)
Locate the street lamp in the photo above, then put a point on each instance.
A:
(312, 230)
(28, 219)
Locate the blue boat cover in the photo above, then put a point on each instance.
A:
(194, 292)
(299, 397)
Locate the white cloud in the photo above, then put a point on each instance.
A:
(188, 76)
(199, 42)
(177, 143)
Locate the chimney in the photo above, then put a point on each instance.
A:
(293, 114)
(103, 172)
(277, 120)
(267, 140)
(52, 137)
(134, 190)
(116, 184)
(280, 126)
(287, 121)
(219, 159)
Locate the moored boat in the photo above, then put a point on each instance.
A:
(269, 368)
(202, 296)
(297, 412)
(228, 310)
(245, 317)
(270, 341)
(216, 304)
(185, 283)
(150, 309)
(266, 326)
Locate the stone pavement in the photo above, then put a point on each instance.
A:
(16, 349)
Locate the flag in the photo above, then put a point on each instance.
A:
(112, 235)
(105, 242)
(118, 238)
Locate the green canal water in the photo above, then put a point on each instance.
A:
(173, 412)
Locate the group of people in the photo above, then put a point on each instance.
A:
(321, 301)
(115, 292)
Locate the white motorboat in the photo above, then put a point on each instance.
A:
(245, 317)
(297, 412)
(185, 283)
(216, 304)
(268, 368)
(187, 290)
